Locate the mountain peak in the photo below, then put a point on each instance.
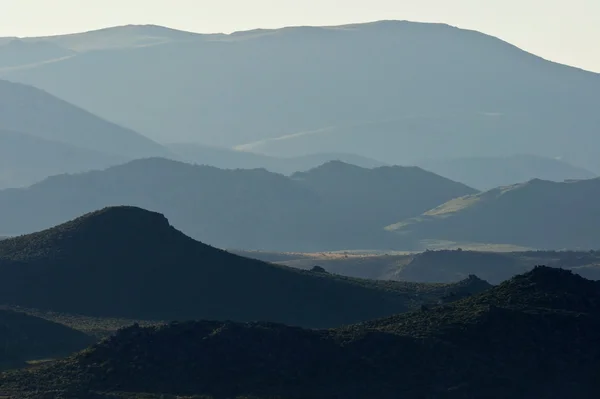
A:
(551, 277)
(111, 227)
(116, 218)
(122, 215)
(547, 287)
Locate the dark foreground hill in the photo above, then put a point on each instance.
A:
(25, 337)
(336, 206)
(128, 262)
(537, 214)
(534, 336)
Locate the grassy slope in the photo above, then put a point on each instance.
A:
(539, 214)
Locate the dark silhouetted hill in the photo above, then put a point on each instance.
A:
(25, 337)
(394, 91)
(536, 214)
(26, 159)
(491, 172)
(128, 262)
(247, 209)
(32, 111)
(533, 336)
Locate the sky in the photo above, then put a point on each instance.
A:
(566, 31)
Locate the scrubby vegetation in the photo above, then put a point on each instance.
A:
(126, 262)
(533, 336)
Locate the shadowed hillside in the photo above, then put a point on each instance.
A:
(130, 263)
(537, 214)
(369, 197)
(395, 91)
(495, 345)
(25, 337)
(251, 209)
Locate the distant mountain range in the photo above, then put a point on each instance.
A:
(538, 214)
(41, 135)
(533, 336)
(393, 91)
(335, 206)
(231, 159)
(129, 262)
(26, 159)
(486, 173)
(32, 111)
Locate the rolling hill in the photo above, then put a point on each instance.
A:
(496, 345)
(231, 159)
(491, 172)
(127, 262)
(538, 214)
(244, 209)
(32, 111)
(394, 91)
(26, 159)
(121, 37)
(25, 338)
(19, 53)
(369, 197)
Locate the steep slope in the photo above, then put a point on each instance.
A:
(494, 345)
(232, 159)
(26, 338)
(393, 91)
(128, 262)
(538, 214)
(244, 209)
(27, 159)
(33, 111)
(488, 173)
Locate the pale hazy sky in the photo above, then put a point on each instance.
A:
(566, 31)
